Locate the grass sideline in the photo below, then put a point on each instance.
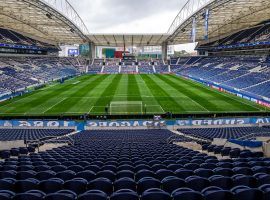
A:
(159, 93)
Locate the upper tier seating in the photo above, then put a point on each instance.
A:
(131, 165)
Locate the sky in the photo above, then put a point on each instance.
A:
(129, 16)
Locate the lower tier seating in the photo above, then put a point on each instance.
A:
(129, 165)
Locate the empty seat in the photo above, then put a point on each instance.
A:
(262, 178)
(30, 195)
(66, 175)
(186, 194)
(147, 183)
(87, 175)
(162, 173)
(7, 184)
(247, 193)
(93, 194)
(206, 173)
(171, 183)
(244, 180)
(102, 184)
(61, 195)
(144, 173)
(26, 185)
(197, 183)
(125, 183)
(213, 193)
(154, 194)
(107, 174)
(266, 189)
(44, 175)
(183, 173)
(51, 185)
(77, 185)
(124, 194)
(6, 195)
(223, 182)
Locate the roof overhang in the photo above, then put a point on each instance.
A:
(41, 20)
(119, 40)
(226, 16)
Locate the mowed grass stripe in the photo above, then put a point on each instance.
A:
(122, 89)
(60, 101)
(107, 96)
(37, 102)
(57, 101)
(167, 102)
(195, 97)
(35, 93)
(152, 106)
(133, 89)
(186, 103)
(77, 105)
(225, 102)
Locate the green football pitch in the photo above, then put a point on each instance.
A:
(125, 94)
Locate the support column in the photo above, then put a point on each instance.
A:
(92, 49)
(164, 50)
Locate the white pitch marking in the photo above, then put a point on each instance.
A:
(55, 105)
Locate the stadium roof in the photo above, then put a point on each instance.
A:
(226, 17)
(128, 39)
(44, 20)
(56, 22)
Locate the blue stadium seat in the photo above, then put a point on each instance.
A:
(171, 183)
(155, 193)
(247, 193)
(77, 185)
(147, 183)
(124, 194)
(102, 184)
(93, 194)
(186, 194)
(125, 183)
(213, 192)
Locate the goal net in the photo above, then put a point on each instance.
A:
(126, 107)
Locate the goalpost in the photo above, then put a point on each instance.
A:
(126, 107)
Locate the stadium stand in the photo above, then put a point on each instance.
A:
(136, 164)
(228, 132)
(19, 73)
(247, 74)
(12, 37)
(28, 134)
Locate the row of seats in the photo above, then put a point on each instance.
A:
(232, 152)
(135, 160)
(227, 132)
(210, 193)
(31, 134)
(48, 183)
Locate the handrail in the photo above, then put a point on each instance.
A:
(38, 142)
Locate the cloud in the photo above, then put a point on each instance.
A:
(130, 16)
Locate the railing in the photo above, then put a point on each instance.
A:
(67, 10)
(66, 139)
(252, 135)
(190, 7)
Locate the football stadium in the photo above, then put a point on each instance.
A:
(89, 115)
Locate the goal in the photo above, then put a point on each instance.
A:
(126, 107)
